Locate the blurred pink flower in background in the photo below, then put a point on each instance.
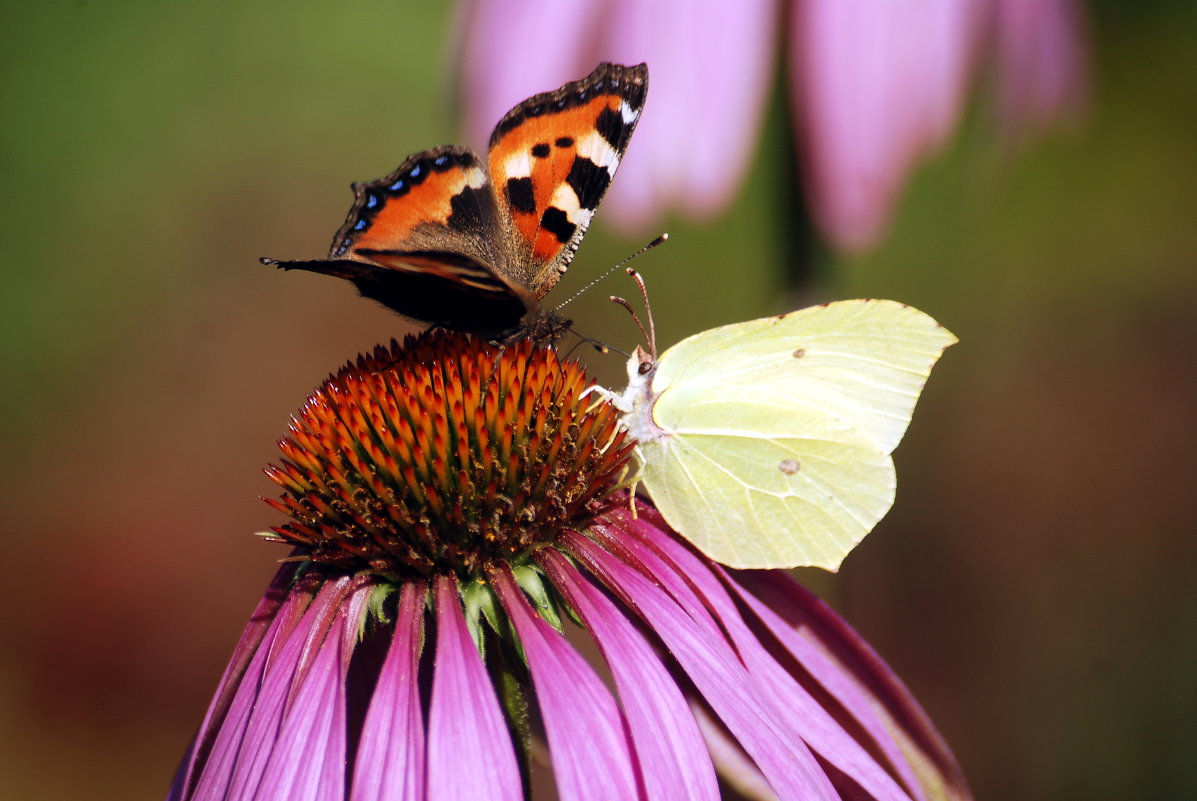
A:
(709, 66)
(876, 88)
(1039, 49)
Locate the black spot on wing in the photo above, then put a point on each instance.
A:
(471, 211)
(564, 141)
(589, 181)
(556, 223)
(611, 127)
(519, 195)
(541, 150)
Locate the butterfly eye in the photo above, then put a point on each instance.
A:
(645, 367)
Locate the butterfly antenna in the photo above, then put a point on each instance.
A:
(648, 311)
(648, 333)
(659, 240)
(601, 347)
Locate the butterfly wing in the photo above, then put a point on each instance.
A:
(862, 361)
(551, 160)
(446, 240)
(756, 481)
(784, 426)
(423, 240)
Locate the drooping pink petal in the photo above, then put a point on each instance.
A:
(852, 672)
(735, 767)
(876, 85)
(469, 750)
(694, 639)
(286, 668)
(709, 67)
(390, 756)
(248, 731)
(787, 697)
(1041, 61)
(308, 759)
(263, 625)
(513, 49)
(833, 679)
(669, 747)
(588, 740)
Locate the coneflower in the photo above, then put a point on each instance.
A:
(456, 510)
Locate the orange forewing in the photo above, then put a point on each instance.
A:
(428, 202)
(547, 173)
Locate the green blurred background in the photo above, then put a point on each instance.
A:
(1033, 585)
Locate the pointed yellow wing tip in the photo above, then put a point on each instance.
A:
(951, 338)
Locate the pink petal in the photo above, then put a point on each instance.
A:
(852, 672)
(469, 749)
(264, 624)
(390, 757)
(709, 65)
(308, 759)
(286, 668)
(669, 746)
(247, 732)
(696, 642)
(1042, 63)
(588, 743)
(709, 72)
(789, 699)
(735, 767)
(876, 86)
(513, 49)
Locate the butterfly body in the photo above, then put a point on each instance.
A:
(473, 245)
(767, 443)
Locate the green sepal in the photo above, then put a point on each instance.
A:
(376, 603)
(513, 696)
(479, 602)
(532, 583)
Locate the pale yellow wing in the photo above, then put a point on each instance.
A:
(862, 361)
(754, 481)
(767, 443)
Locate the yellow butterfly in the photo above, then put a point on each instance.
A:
(767, 443)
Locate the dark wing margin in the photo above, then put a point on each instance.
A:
(445, 289)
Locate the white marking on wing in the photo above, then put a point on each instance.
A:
(518, 165)
(596, 148)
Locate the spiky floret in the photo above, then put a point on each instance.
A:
(446, 454)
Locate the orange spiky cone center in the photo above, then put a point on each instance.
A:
(446, 454)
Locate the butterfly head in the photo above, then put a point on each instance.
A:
(642, 364)
(637, 400)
